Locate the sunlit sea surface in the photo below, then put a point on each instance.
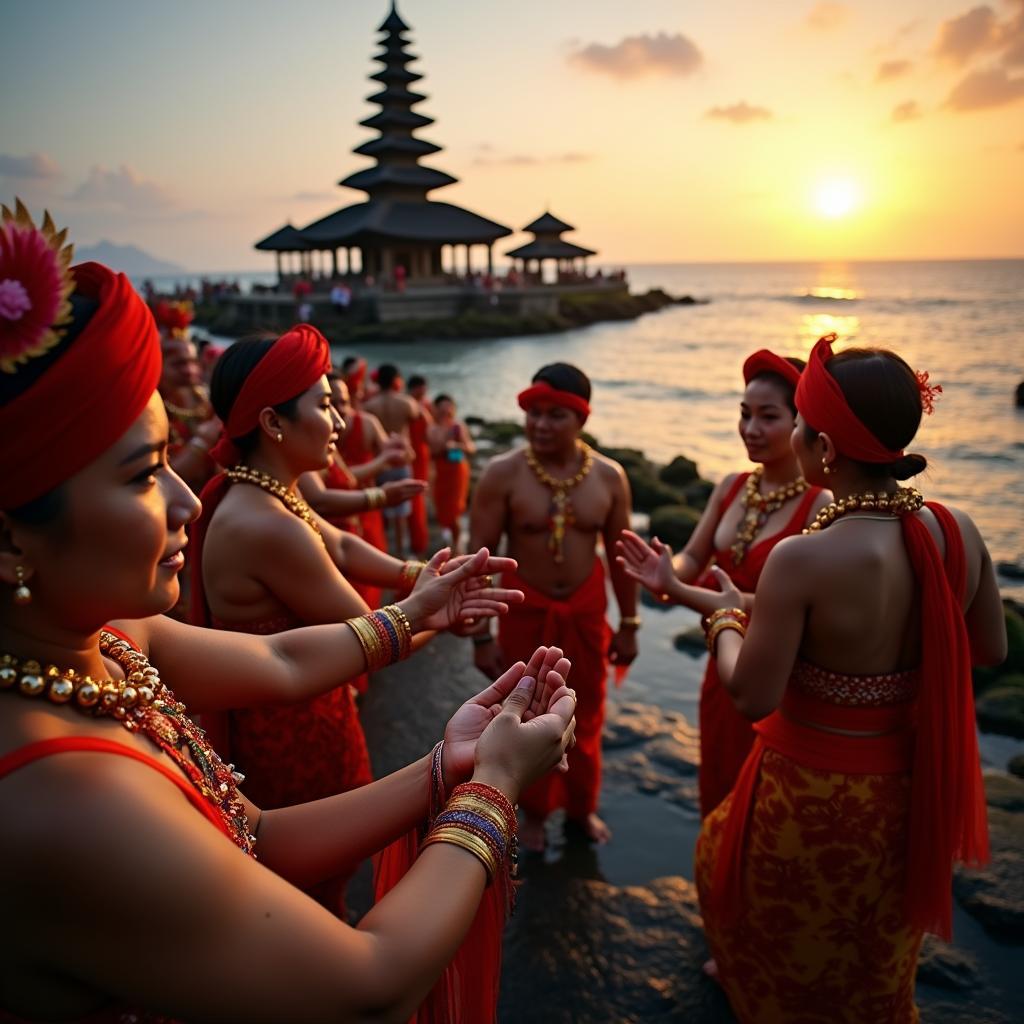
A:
(670, 382)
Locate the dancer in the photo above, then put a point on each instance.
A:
(553, 500)
(451, 447)
(118, 818)
(746, 516)
(833, 854)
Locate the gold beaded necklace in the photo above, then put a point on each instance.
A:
(562, 514)
(903, 501)
(758, 507)
(290, 500)
(144, 705)
(196, 414)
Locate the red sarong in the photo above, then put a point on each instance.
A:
(725, 735)
(577, 625)
(451, 489)
(418, 532)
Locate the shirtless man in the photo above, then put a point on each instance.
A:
(553, 500)
(397, 412)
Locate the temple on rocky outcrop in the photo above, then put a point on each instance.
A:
(548, 244)
(398, 226)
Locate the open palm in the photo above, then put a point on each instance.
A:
(649, 564)
(550, 670)
(450, 590)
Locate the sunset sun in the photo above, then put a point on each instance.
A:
(837, 197)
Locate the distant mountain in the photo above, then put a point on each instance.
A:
(127, 258)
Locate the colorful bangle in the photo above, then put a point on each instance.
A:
(469, 842)
(385, 636)
(491, 795)
(736, 614)
(408, 575)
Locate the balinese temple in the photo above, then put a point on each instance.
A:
(398, 225)
(548, 244)
(288, 240)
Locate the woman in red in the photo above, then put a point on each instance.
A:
(833, 854)
(137, 882)
(747, 515)
(451, 446)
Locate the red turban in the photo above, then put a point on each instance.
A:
(94, 391)
(763, 361)
(293, 364)
(544, 392)
(821, 402)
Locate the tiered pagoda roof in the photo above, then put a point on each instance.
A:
(547, 242)
(397, 184)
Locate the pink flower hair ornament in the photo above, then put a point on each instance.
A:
(929, 392)
(35, 286)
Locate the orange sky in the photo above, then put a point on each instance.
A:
(664, 131)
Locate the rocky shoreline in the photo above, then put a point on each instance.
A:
(574, 310)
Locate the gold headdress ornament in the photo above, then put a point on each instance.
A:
(35, 286)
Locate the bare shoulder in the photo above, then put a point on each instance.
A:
(609, 470)
(502, 469)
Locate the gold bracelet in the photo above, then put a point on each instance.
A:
(737, 614)
(467, 841)
(400, 620)
(720, 627)
(630, 622)
(481, 807)
(409, 574)
(373, 650)
(376, 497)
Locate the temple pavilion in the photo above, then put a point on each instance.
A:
(548, 245)
(398, 225)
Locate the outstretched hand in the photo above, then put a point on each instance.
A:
(649, 564)
(728, 594)
(445, 593)
(546, 666)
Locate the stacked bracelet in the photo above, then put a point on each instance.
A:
(722, 619)
(376, 497)
(408, 575)
(478, 818)
(385, 636)
(438, 795)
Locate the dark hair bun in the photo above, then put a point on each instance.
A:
(910, 465)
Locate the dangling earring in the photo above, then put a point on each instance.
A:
(825, 467)
(279, 437)
(22, 595)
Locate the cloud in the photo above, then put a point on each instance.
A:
(826, 16)
(636, 56)
(34, 167)
(890, 69)
(525, 160)
(981, 90)
(313, 197)
(740, 113)
(124, 189)
(907, 111)
(962, 38)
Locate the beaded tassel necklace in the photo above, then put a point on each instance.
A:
(290, 500)
(561, 514)
(758, 507)
(142, 704)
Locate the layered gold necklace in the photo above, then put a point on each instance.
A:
(193, 415)
(142, 704)
(290, 500)
(758, 507)
(903, 501)
(561, 515)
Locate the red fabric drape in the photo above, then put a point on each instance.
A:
(577, 625)
(418, 533)
(450, 490)
(355, 453)
(94, 391)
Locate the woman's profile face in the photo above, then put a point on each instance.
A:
(116, 549)
(766, 422)
(309, 438)
(808, 459)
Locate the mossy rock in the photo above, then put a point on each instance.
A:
(679, 472)
(1000, 708)
(501, 431)
(691, 641)
(631, 459)
(1016, 766)
(649, 493)
(674, 524)
(1014, 640)
(698, 493)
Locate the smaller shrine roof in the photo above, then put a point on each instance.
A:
(555, 249)
(547, 223)
(285, 239)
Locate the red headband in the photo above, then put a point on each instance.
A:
(542, 391)
(821, 402)
(88, 398)
(763, 361)
(293, 364)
